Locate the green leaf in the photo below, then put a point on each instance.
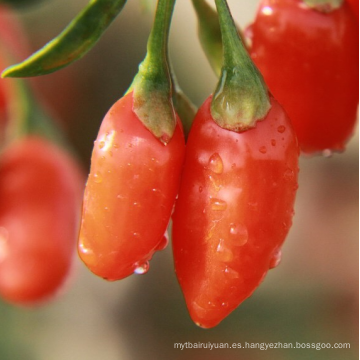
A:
(73, 43)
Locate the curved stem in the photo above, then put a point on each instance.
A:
(26, 116)
(209, 34)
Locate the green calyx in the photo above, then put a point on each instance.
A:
(152, 86)
(325, 6)
(73, 42)
(241, 97)
(209, 34)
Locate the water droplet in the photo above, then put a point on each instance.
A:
(136, 203)
(106, 208)
(215, 164)
(239, 234)
(83, 249)
(327, 153)
(273, 142)
(136, 235)
(116, 146)
(225, 253)
(101, 144)
(231, 273)
(163, 242)
(218, 204)
(142, 268)
(289, 175)
(281, 129)
(221, 245)
(97, 178)
(200, 189)
(214, 183)
(106, 141)
(263, 149)
(276, 259)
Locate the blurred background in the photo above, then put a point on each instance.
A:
(312, 297)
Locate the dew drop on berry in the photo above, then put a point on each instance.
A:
(231, 273)
(276, 259)
(97, 178)
(224, 252)
(263, 149)
(289, 175)
(218, 204)
(327, 153)
(141, 268)
(281, 129)
(101, 144)
(215, 164)
(238, 234)
(163, 242)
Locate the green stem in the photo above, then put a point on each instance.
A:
(241, 97)
(26, 116)
(152, 85)
(31, 119)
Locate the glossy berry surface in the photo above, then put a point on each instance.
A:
(309, 60)
(130, 194)
(234, 210)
